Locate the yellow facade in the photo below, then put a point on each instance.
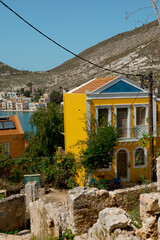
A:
(75, 123)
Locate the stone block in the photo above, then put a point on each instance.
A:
(149, 208)
(31, 191)
(112, 218)
(3, 192)
(84, 205)
(12, 213)
(125, 198)
(47, 219)
(113, 223)
(158, 173)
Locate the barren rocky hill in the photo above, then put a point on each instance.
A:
(136, 51)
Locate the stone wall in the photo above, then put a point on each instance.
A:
(84, 204)
(125, 198)
(12, 212)
(81, 210)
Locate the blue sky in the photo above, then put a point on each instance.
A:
(75, 24)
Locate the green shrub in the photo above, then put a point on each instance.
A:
(59, 170)
(99, 148)
(100, 183)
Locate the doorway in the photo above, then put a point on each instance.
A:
(122, 164)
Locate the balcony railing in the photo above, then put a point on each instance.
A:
(136, 132)
(140, 130)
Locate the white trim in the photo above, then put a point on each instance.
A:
(128, 140)
(154, 117)
(117, 95)
(122, 105)
(104, 107)
(74, 89)
(128, 106)
(88, 116)
(128, 168)
(145, 158)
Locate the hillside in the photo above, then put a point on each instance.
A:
(136, 51)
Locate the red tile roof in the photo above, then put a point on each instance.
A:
(93, 85)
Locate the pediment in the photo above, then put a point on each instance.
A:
(120, 85)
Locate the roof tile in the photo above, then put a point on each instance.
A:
(93, 85)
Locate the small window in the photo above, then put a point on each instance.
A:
(6, 147)
(139, 157)
(102, 116)
(141, 115)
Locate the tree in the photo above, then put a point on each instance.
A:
(99, 149)
(56, 96)
(49, 124)
(27, 93)
(154, 5)
(29, 84)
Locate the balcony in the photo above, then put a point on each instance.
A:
(136, 132)
(140, 130)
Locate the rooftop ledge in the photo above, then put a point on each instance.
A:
(128, 140)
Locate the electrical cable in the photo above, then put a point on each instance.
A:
(50, 39)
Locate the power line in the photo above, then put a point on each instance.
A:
(50, 39)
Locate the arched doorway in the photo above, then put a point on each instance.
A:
(122, 164)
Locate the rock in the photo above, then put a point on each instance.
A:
(84, 205)
(149, 203)
(47, 219)
(31, 191)
(113, 223)
(158, 173)
(12, 213)
(112, 218)
(149, 208)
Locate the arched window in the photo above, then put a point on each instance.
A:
(140, 157)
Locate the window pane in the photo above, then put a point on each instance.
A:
(141, 114)
(139, 157)
(102, 116)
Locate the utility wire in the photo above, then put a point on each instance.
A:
(50, 39)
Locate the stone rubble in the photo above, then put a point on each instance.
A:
(113, 223)
(23, 235)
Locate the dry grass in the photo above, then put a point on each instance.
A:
(10, 187)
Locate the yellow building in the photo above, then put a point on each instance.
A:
(124, 104)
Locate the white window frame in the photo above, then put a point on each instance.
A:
(128, 106)
(145, 158)
(104, 107)
(135, 113)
